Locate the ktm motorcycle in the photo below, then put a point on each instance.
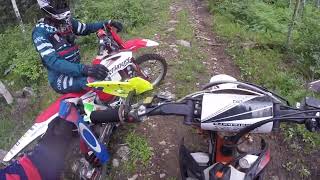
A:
(230, 111)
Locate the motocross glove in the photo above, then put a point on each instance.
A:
(118, 25)
(96, 71)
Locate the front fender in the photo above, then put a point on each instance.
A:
(151, 43)
(135, 44)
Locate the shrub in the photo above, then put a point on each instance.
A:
(131, 13)
(20, 53)
(307, 43)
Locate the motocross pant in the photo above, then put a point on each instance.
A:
(46, 161)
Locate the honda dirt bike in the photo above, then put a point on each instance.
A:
(92, 117)
(229, 110)
(117, 56)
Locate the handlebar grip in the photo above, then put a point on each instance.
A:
(105, 116)
(188, 118)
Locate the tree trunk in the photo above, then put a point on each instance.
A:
(16, 11)
(293, 22)
(303, 4)
(318, 3)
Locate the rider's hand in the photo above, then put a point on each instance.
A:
(98, 71)
(116, 24)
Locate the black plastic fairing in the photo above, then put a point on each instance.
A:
(260, 163)
(179, 109)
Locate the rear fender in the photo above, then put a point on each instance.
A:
(33, 133)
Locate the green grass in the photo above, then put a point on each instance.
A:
(189, 67)
(6, 127)
(184, 29)
(13, 126)
(140, 151)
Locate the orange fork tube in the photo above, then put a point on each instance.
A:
(220, 156)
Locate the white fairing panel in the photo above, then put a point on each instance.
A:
(235, 174)
(218, 113)
(215, 104)
(150, 43)
(116, 63)
(33, 133)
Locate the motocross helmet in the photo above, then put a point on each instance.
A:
(56, 9)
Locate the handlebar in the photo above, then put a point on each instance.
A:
(308, 115)
(108, 40)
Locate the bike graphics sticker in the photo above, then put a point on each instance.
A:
(100, 151)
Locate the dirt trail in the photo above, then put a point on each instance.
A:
(219, 61)
(165, 134)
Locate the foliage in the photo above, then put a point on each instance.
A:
(131, 13)
(307, 43)
(268, 20)
(20, 54)
(256, 15)
(264, 24)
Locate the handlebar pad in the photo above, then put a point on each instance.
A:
(105, 116)
(185, 109)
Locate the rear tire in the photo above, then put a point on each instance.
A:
(147, 61)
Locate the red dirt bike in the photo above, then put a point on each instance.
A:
(117, 56)
(229, 111)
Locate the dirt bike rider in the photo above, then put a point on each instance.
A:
(54, 39)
